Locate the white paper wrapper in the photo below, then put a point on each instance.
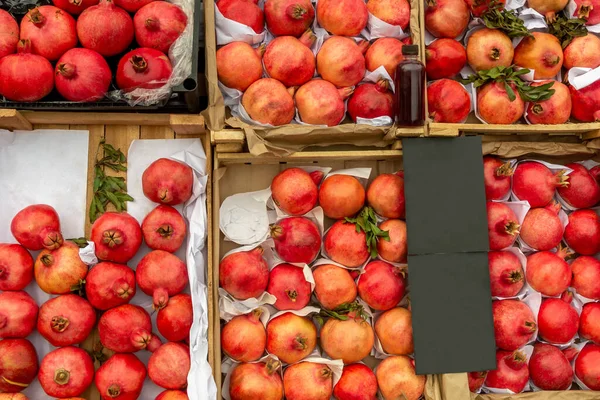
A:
(378, 28)
(378, 74)
(264, 317)
(523, 260)
(534, 301)
(88, 254)
(244, 218)
(580, 77)
(532, 19)
(232, 31)
(231, 97)
(229, 365)
(528, 351)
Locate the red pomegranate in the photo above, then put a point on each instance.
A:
(9, 34)
(294, 191)
(386, 196)
(511, 371)
(288, 284)
(349, 340)
(381, 285)
(307, 380)
(587, 366)
(586, 277)
(541, 52)
(244, 274)
(66, 320)
(18, 314)
(549, 369)
(558, 321)
(476, 380)
(289, 60)
(358, 382)
(489, 48)
(289, 17)
(143, 68)
(394, 12)
(127, 329)
(506, 273)
(541, 228)
(582, 191)
(495, 107)
(132, 5)
(66, 372)
(164, 228)
(479, 7)
(446, 18)
(371, 100)
(582, 52)
(583, 232)
(535, 183)
(320, 103)
(59, 271)
(448, 101)
(244, 337)
(239, 65)
(168, 366)
(25, 77)
(514, 324)
(269, 102)
(105, 28)
(555, 110)
(343, 244)
(37, 227)
(341, 62)
(570, 353)
(589, 326)
(394, 330)
(82, 75)
(172, 395)
(157, 25)
(342, 17)
(341, 196)
(109, 285)
(121, 377)
(334, 286)
(256, 381)
(549, 273)
(395, 249)
(175, 320)
(18, 365)
(588, 9)
(50, 30)
(161, 274)
(74, 7)
(16, 267)
(503, 226)
(291, 337)
(117, 237)
(244, 12)
(168, 182)
(496, 174)
(397, 378)
(386, 52)
(445, 58)
(586, 102)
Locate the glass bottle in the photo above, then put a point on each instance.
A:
(409, 101)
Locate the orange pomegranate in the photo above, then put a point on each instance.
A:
(342, 17)
(489, 48)
(394, 330)
(269, 102)
(256, 381)
(583, 52)
(386, 52)
(350, 340)
(555, 110)
(341, 61)
(291, 337)
(239, 65)
(495, 107)
(289, 60)
(396, 378)
(541, 52)
(341, 196)
(394, 12)
(320, 103)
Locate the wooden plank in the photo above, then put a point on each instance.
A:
(237, 158)
(229, 147)
(156, 132)
(51, 126)
(228, 136)
(187, 124)
(410, 131)
(47, 117)
(517, 128)
(14, 120)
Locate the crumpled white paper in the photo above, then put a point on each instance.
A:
(244, 218)
(580, 77)
(378, 28)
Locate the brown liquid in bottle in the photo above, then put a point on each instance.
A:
(409, 99)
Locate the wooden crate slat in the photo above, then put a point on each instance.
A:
(156, 132)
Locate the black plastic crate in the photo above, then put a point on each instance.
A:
(184, 98)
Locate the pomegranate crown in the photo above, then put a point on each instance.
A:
(498, 17)
(346, 311)
(366, 221)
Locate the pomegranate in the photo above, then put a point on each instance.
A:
(9, 34)
(320, 103)
(386, 52)
(371, 100)
(446, 18)
(589, 325)
(541, 52)
(172, 395)
(59, 271)
(549, 369)
(549, 273)
(489, 48)
(21, 396)
(586, 102)
(334, 286)
(74, 7)
(256, 381)
(132, 5)
(382, 285)
(582, 52)
(161, 274)
(582, 233)
(307, 380)
(351, 339)
(582, 191)
(143, 68)
(396, 378)
(448, 101)
(16, 267)
(82, 75)
(548, 8)
(244, 337)
(535, 183)
(122, 376)
(341, 61)
(343, 244)
(289, 17)
(117, 237)
(541, 228)
(127, 329)
(557, 320)
(269, 102)
(18, 314)
(244, 12)
(66, 372)
(386, 196)
(341, 196)
(587, 366)
(105, 28)
(294, 191)
(175, 320)
(288, 284)
(511, 371)
(239, 65)
(555, 110)
(506, 273)
(496, 175)
(514, 324)
(476, 380)
(395, 249)
(168, 366)
(495, 107)
(157, 25)
(244, 274)
(66, 320)
(586, 277)
(290, 337)
(394, 12)
(109, 285)
(394, 330)
(503, 226)
(37, 227)
(445, 58)
(164, 228)
(358, 382)
(168, 182)
(595, 171)
(588, 9)
(289, 60)
(18, 365)
(479, 7)
(50, 30)
(343, 17)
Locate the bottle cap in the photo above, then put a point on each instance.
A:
(411, 49)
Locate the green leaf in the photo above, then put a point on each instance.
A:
(510, 93)
(113, 199)
(497, 17)
(80, 242)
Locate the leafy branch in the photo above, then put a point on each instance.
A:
(366, 221)
(341, 312)
(566, 29)
(497, 17)
(80, 242)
